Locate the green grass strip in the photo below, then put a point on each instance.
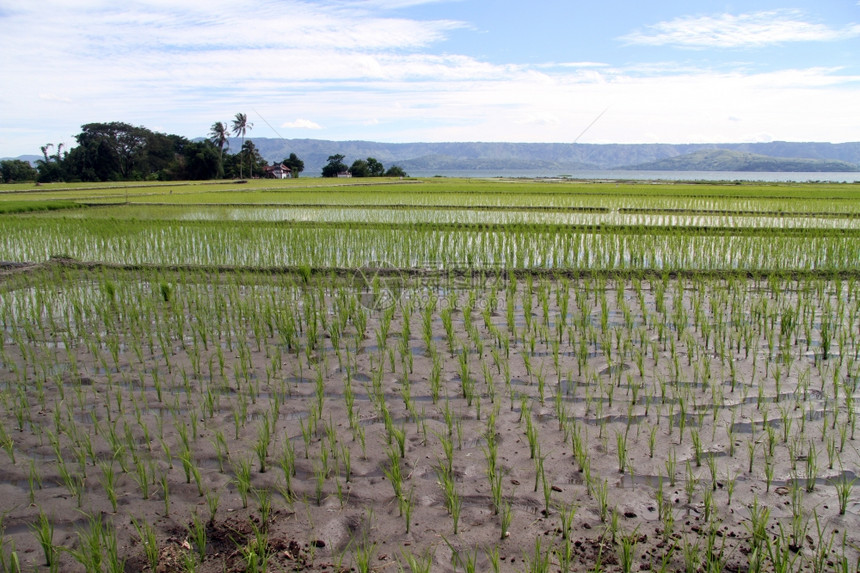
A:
(7, 207)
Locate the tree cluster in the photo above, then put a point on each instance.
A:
(16, 171)
(119, 151)
(369, 167)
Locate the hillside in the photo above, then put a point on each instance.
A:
(728, 160)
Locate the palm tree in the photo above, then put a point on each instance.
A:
(240, 126)
(218, 134)
(50, 168)
(45, 149)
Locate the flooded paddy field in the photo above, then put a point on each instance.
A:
(428, 395)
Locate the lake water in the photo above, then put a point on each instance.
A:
(830, 177)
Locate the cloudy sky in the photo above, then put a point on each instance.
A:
(613, 71)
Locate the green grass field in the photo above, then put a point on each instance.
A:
(441, 223)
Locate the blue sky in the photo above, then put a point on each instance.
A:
(434, 70)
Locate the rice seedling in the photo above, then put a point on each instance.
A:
(531, 436)
(731, 482)
(652, 441)
(751, 447)
(417, 563)
(799, 523)
(448, 449)
(601, 492)
(566, 514)
(844, 486)
(506, 516)
(44, 532)
(98, 549)
(188, 465)
(494, 476)
(697, 446)
(768, 472)
(539, 560)
(261, 446)
(467, 559)
(811, 466)
(146, 534)
(692, 553)
(362, 555)
(212, 500)
(264, 506)
(708, 504)
(407, 506)
(671, 465)
(621, 442)
(395, 477)
(691, 482)
(287, 463)
(256, 553)
(242, 479)
(399, 435)
(320, 476)
(493, 558)
(74, 482)
(822, 549)
(197, 533)
(109, 483)
(627, 551)
(7, 443)
(547, 489)
(757, 526)
(453, 501)
(9, 560)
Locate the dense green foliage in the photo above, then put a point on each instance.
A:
(119, 151)
(295, 164)
(370, 167)
(335, 166)
(15, 170)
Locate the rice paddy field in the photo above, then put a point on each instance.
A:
(429, 375)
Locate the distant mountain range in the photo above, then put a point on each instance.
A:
(729, 160)
(566, 157)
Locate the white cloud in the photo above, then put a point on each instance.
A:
(756, 138)
(362, 74)
(539, 119)
(737, 31)
(695, 105)
(301, 123)
(395, 4)
(54, 97)
(574, 65)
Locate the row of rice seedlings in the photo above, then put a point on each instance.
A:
(750, 197)
(349, 245)
(445, 214)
